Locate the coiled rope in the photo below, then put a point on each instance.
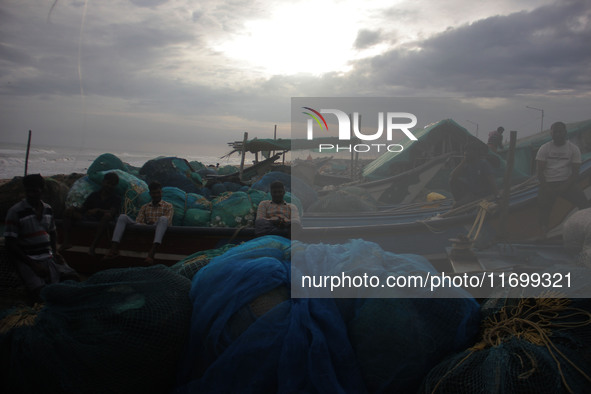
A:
(532, 320)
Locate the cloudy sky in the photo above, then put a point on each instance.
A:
(185, 77)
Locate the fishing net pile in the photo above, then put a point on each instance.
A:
(172, 171)
(121, 331)
(190, 209)
(191, 264)
(131, 189)
(216, 189)
(526, 345)
(233, 210)
(248, 334)
(106, 162)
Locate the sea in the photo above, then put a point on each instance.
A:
(50, 160)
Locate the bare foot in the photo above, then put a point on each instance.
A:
(149, 261)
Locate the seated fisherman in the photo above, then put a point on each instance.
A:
(473, 177)
(157, 213)
(276, 216)
(31, 240)
(102, 206)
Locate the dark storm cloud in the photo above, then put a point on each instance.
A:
(366, 38)
(546, 49)
(112, 59)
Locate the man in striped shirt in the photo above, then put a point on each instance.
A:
(276, 216)
(157, 213)
(31, 240)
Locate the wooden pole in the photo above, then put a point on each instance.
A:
(507, 185)
(243, 154)
(27, 156)
(274, 137)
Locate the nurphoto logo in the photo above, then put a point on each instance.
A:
(392, 120)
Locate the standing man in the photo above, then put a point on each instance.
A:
(495, 139)
(276, 216)
(157, 213)
(558, 163)
(31, 240)
(101, 206)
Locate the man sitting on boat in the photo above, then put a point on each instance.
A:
(558, 163)
(30, 236)
(157, 213)
(473, 178)
(102, 206)
(276, 216)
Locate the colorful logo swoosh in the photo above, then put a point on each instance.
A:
(316, 116)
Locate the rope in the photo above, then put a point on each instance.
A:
(485, 206)
(128, 203)
(531, 320)
(24, 316)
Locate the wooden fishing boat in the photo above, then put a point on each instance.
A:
(403, 188)
(178, 243)
(424, 229)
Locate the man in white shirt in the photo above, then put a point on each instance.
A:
(558, 163)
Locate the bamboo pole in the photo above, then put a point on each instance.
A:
(27, 155)
(274, 138)
(243, 153)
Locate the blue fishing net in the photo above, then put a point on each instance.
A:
(233, 210)
(196, 165)
(248, 335)
(190, 209)
(105, 162)
(297, 346)
(120, 331)
(172, 171)
(398, 339)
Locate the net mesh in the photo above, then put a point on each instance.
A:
(120, 331)
(247, 334)
(529, 345)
